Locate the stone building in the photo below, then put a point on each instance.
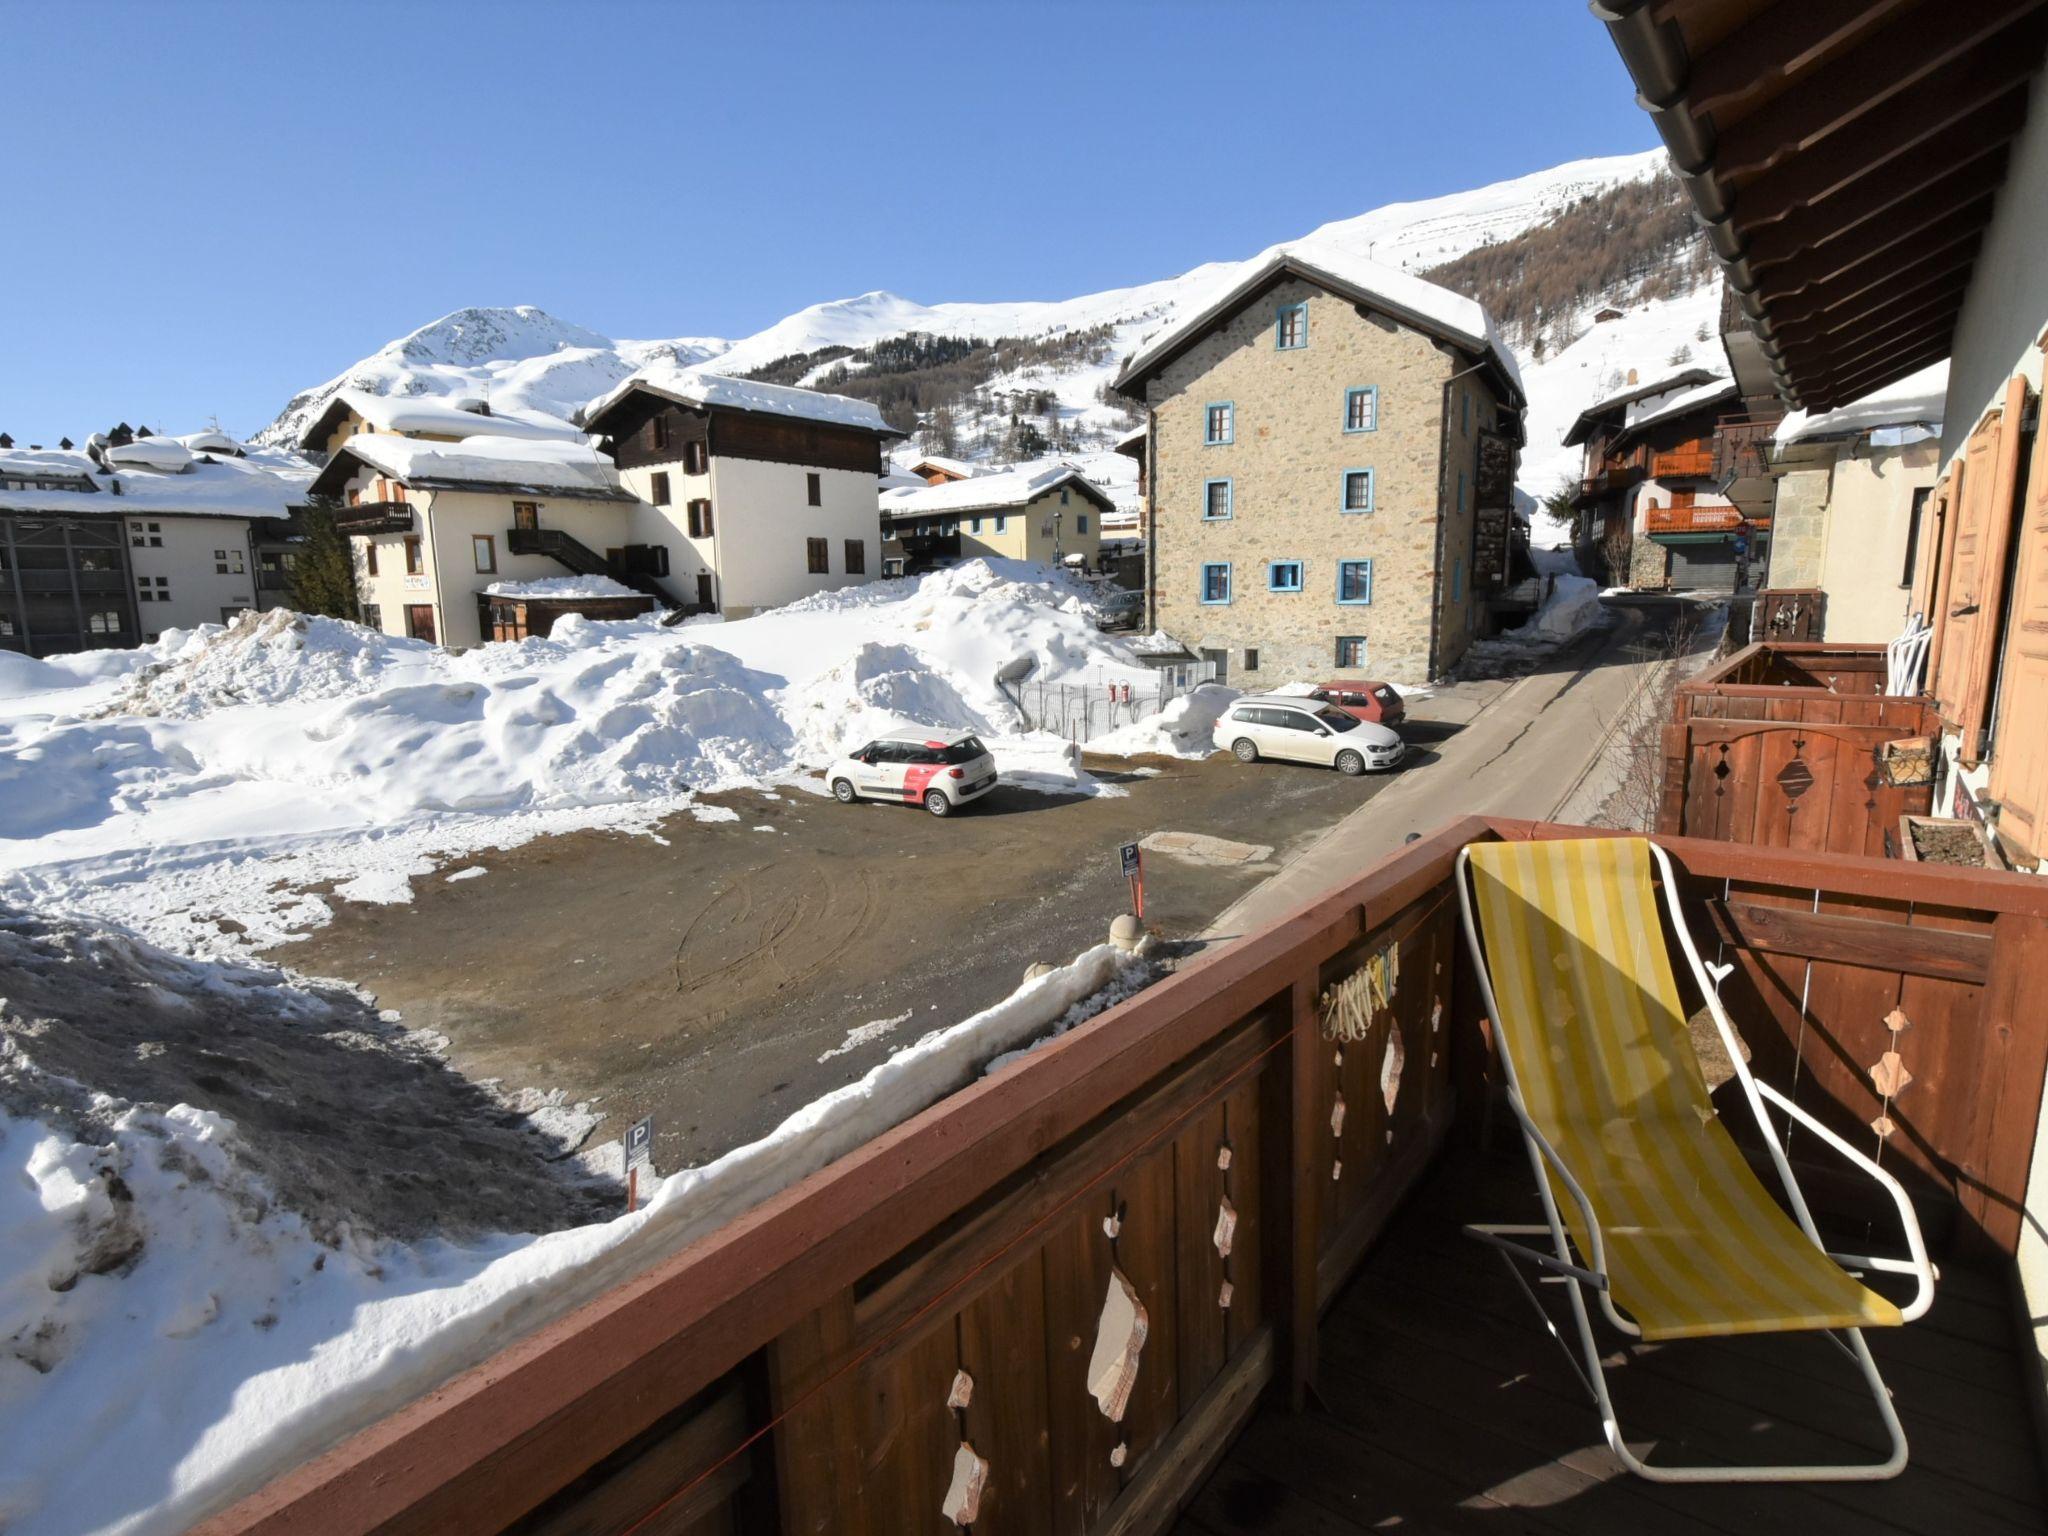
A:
(1329, 466)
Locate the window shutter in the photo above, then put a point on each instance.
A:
(2019, 767)
(1961, 589)
(1995, 544)
(1927, 559)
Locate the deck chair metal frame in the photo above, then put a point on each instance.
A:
(1580, 1273)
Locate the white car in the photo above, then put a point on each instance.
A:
(939, 770)
(1291, 728)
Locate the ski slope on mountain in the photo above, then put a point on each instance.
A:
(526, 357)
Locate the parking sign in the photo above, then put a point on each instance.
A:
(1130, 858)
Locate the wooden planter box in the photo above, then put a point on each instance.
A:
(1987, 850)
(1783, 745)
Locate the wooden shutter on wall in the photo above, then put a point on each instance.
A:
(2001, 515)
(2019, 767)
(1961, 601)
(1927, 557)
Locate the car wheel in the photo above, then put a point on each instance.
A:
(842, 791)
(1246, 750)
(1350, 764)
(936, 802)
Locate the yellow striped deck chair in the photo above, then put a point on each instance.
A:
(1651, 1206)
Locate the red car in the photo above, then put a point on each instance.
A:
(1367, 700)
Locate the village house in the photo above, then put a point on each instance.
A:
(1853, 488)
(111, 546)
(435, 524)
(749, 495)
(1330, 465)
(1053, 516)
(935, 469)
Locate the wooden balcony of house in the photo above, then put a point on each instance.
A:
(365, 518)
(1742, 446)
(923, 1334)
(1683, 515)
(1687, 459)
(1792, 745)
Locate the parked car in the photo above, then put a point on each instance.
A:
(1294, 728)
(1377, 702)
(939, 770)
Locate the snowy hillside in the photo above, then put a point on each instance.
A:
(527, 357)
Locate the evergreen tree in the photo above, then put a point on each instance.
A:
(323, 577)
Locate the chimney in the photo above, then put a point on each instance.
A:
(6, 441)
(1631, 375)
(64, 443)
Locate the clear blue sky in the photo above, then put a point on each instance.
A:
(219, 204)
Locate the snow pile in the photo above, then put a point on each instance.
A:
(1185, 728)
(561, 588)
(1917, 400)
(273, 657)
(1570, 607)
(156, 1296)
(240, 766)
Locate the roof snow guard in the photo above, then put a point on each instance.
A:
(1844, 157)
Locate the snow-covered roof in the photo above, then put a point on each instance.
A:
(1914, 401)
(1684, 378)
(1680, 404)
(693, 386)
(480, 463)
(213, 440)
(901, 479)
(204, 487)
(1423, 304)
(1135, 438)
(1008, 488)
(562, 589)
(437, 416)
(944, 465)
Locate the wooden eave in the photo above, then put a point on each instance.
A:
(1845, 158)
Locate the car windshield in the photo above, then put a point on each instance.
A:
(1337, 720)
(965, 750)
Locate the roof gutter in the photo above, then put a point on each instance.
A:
(1654, 54)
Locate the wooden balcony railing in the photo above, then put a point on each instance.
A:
(791, 1371)
(1691, 519)
(1742, 447)
(372, 517)
(1785, 745)
(1677, 463)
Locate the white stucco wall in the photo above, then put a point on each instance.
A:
(763, 517)
(187, 561)
(2006, 307)
(1863, 559)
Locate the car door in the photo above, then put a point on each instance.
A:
(881, 770)
(1309, 740)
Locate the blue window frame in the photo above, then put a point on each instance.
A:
(1461, 490)
(1354, 582)
(1002, 523)
(1063, 495)
(1356, 495)
(1219, 423)
(1290, 326)
(1080, 522)
(1283, 576)
(1351, 651)
(1362, 409)
(1216, 582)
(1219, 500)
(1458, 580)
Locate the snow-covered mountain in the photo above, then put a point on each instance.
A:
(526, 357)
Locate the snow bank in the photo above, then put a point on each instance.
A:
(1570, 608)
(1185, 728)
(157, 1299)
(216, 776)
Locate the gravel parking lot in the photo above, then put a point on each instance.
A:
(701, 979)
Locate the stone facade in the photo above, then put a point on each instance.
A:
(1286, 465)
(1799, 529)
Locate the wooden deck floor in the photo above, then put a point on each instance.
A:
(1446, 1408)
